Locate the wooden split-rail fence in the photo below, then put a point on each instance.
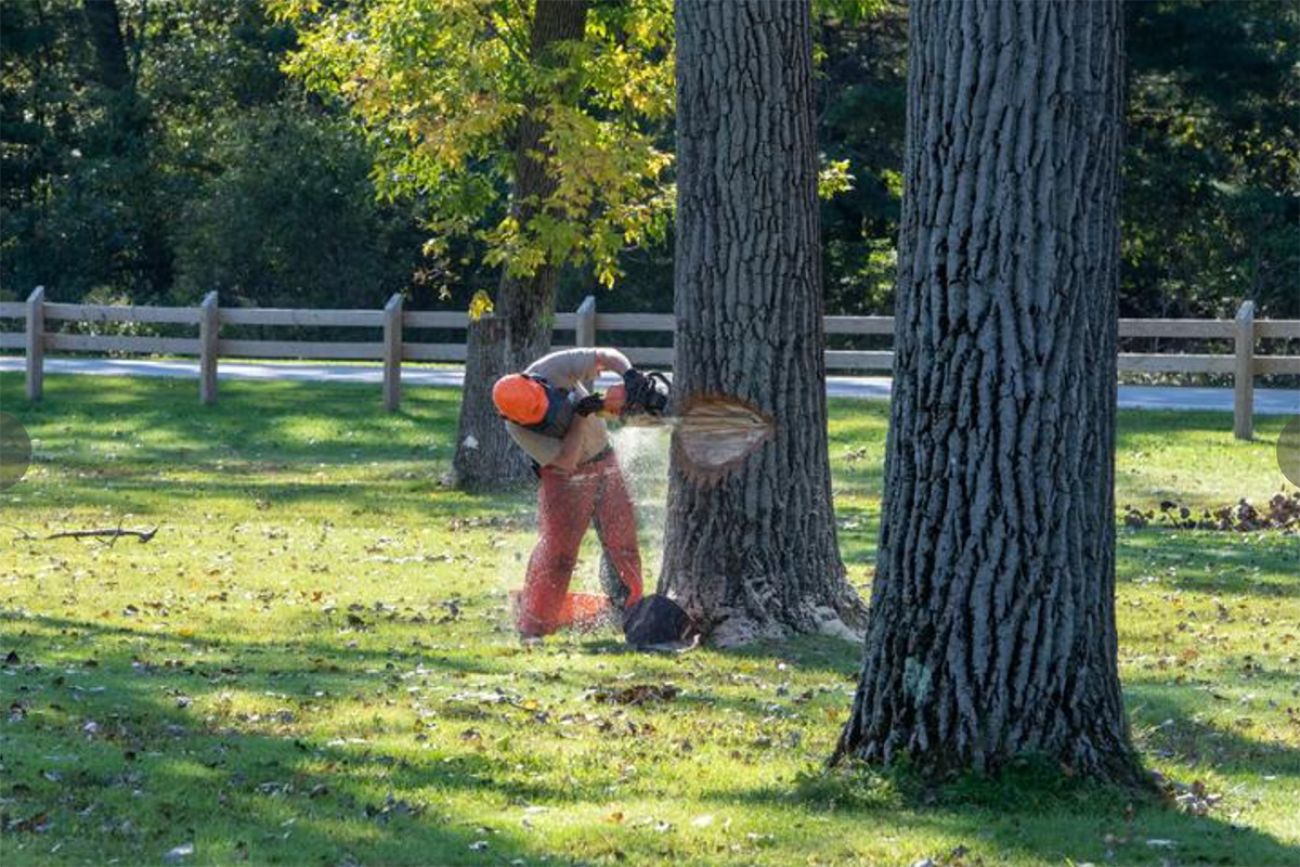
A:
(1244, 332)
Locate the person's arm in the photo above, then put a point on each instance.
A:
(566, 460)
(612, 359)
(568, 367)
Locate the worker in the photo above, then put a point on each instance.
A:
(550, 413)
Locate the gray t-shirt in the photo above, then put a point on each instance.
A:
(569, 369)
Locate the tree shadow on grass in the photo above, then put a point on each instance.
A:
(1233, 563)
(105, 757)
(1172, 723)
(299, 423)
(141, 494)
(1032, 808)
(293, 794)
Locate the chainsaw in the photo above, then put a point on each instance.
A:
(712, 433)
(645, 396)
(645, 401)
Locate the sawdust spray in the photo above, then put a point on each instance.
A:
(642, 452)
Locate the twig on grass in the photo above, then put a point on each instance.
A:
(114, 533)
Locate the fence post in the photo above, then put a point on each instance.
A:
(1243, 374)
(584, 328)
(584, 331)
(393, 353)
(209, 329)
(36, 343)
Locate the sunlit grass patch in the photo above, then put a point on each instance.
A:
(312, 663)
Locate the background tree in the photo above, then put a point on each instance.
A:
(485, 455)
(94, 208)
(755, 554)
(861, 74)
(178, 158)
(1212, 159)
(526, 129)
(992, 623)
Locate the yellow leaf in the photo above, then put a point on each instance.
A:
(480, 305)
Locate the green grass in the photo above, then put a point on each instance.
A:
(312, 663)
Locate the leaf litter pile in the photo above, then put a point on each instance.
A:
(1281, 513)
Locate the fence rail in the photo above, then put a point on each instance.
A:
(1244, 363)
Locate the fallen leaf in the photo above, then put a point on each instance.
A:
(179, 854)
(635, 694)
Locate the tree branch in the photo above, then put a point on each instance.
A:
(117, 532)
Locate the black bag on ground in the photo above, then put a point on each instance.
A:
(657, 620)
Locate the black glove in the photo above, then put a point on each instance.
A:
(592, 403)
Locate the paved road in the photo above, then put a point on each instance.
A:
(1267, 401)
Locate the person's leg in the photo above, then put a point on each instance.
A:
(616, 525)
(564, 505)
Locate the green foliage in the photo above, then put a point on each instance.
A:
(75, 162)
(292, 220)
(209, 171)
(98, 186)
(862, 76)
(1212, 166)
(442, 88)
(833, 178)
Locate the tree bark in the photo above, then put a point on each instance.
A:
(754, 555)
(486, 458)
(992, 620)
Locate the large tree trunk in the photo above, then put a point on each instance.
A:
(486, 458)
(754, 555)
(992, 621)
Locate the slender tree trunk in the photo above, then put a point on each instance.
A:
(992, 622)
(129, 137)
(105, 27)
(486, 458)
(754, 555)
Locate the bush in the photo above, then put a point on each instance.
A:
(292, 220)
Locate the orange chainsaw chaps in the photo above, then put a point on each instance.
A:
(582, 611)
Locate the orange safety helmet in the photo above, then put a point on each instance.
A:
(520, 398)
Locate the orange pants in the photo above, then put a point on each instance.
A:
(566, 505)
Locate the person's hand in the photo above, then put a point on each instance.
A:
(590, 404)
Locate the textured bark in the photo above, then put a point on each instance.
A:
(992, 622)
(754, 555)
(486, 458)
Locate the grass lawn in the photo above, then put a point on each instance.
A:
(311, 663)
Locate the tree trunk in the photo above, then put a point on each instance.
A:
(486, 458)
(105, 28)
(754, 555)
(992, 620)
